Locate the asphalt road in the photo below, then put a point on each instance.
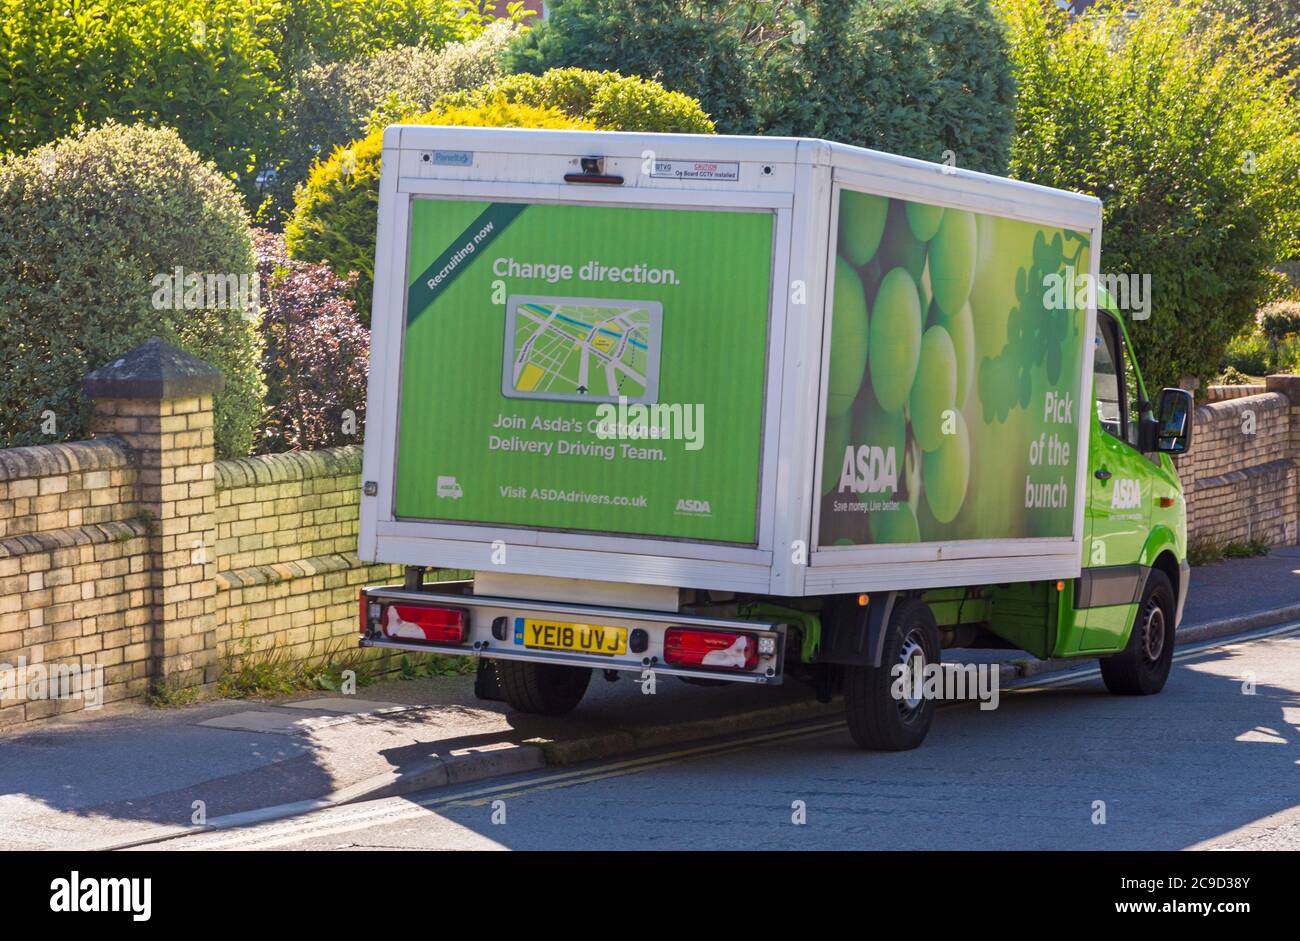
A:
(1204, 764)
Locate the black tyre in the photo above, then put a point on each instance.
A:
(878, 721)
(1142, 668)
(541, 688)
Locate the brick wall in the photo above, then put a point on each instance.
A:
(1240, 478)
(75, 573)
(287, 570)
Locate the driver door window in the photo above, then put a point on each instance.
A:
(1115, 383)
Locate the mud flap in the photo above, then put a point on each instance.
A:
(485, 682)
(854, 635)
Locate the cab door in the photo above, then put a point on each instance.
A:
(1118, 515)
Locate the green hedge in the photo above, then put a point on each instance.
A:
(89, 227)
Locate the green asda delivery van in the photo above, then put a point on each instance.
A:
(755, 410)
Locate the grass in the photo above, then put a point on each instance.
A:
(167, 693)
(426, 665)
(252, 674)
(1206, 551)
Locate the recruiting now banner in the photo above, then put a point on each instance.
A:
(954, 370)
(585, 368)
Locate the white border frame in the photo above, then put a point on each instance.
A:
(795, 179)
(673, 562)
(958, 562)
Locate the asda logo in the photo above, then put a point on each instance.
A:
(1127, 495)
(694, 507)
(869, 470)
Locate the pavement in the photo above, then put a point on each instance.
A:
(132, 774)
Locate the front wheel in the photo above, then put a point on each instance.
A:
(879, 720)
(1142, 667)
(543, 689)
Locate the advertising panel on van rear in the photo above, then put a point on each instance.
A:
(587, 368)
(955, 362)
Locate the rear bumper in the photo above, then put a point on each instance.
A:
(492, 634)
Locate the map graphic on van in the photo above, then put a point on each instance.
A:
(581, 348)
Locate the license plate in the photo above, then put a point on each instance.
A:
(561, 635)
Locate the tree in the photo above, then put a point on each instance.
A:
(1184, 130)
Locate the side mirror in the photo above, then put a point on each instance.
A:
(1172, 421)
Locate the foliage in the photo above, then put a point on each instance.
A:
(1279, 320)
(335, 217)
(1232, 377)
(915, 77)
(314, 360)
(215, 70)
(203, 67)
(1206, 550)
(321, 31)
(88, 228)
(259, 674)
(1187, 136)
(1279, 17)
(610, 101)
(328, 105)
(427, 666)
(1249, 354)
(922, 78)
(708, 51)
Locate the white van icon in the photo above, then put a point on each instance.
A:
(448, 487)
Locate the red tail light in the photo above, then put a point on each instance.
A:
(417, 622)
(721, 650)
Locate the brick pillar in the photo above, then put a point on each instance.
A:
(1290, 387)
(158, 400)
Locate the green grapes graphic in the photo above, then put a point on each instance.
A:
(952, 260)
(1036, 332)
(862, 223)
(946, 473)
(849, 332)
(924, 220)
(934, 393)
(895, 343)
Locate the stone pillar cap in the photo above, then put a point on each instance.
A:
(153, 370)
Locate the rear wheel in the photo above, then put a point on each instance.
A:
(878, 720)
(541, 688)
(1142, 668)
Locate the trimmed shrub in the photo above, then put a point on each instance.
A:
(314, 359)
(1188, 136)
(93, 230)
(610, 101)
(330, 105)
